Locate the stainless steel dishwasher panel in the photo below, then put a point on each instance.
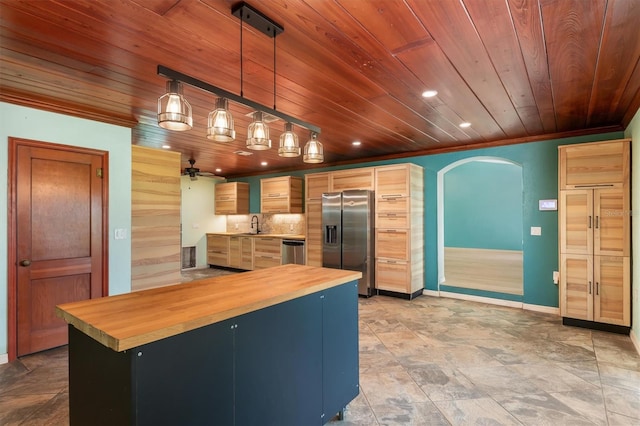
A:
(293, 252)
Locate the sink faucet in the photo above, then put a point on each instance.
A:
(257, 223)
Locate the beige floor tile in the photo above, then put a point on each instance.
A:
(483, 411)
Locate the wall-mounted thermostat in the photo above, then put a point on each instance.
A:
(547, 204)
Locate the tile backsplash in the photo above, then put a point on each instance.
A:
(268, 223)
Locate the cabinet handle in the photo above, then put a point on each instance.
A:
(274, 194)
(392, 196)
(597, 222)
(597, 288)
(589, 287)
(589, 221)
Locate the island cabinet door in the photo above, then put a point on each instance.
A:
(184, 379)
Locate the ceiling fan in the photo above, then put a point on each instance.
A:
(194, 172)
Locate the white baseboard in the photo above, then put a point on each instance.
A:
(540, 308)
(491, 301)
(635, 341)
(4, 358)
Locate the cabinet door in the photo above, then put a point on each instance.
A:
(393, 275)
(612, 290)
(352, 179)
(392, 244)
(576, 280)
(611, 226)
(314, 233)
(392, 181)
(315, 185)
(232, 198)
(234, 252)
(576, 221)
(246, 253)
(594, 164)
(218, 250)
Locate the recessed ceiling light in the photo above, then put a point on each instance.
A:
(166, 146)
(218, 170)
(464, 125)
(356, 143)
(429, 93)
(264, 163)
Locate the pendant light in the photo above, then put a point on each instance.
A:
(258, 133)
(174, 112)
(220, 123)
(313, 152)
(289, 146)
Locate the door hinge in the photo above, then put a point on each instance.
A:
(99, 172)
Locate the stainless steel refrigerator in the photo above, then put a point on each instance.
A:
(348, 235)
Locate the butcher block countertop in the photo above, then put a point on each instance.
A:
(283, 236)
(128, 320)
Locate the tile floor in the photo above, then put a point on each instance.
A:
(430, 361)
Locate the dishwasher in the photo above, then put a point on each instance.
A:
(293, 252)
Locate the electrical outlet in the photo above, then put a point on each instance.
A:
(556, 277)
(235, 226)
(291, 227)
(536, 230)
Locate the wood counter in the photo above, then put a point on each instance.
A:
(273, 346)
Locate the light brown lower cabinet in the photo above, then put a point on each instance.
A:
(218, 250)
(267, 252)
(241, 252)
(392, 275)
(596, 288)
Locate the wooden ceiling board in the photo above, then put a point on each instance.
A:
(617, 48)
(519, 70)
(573, 52)
(490, 19)
(528, 24)
(448, 22)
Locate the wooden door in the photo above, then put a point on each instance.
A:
(576, 221)
(577, 286)
(58, 194)
(612, 290)
(612, 231)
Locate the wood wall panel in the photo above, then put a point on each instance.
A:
(155, 218)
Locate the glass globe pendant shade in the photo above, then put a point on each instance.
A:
(289, 146)
(174, 112)
(220, 123)
(258, 133)
(313, 152)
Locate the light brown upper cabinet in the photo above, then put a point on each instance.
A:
(597, 164)
(281, 195)
(594, 222)
(343, 180)
(232, 198)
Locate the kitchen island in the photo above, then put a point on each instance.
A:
(274, 346)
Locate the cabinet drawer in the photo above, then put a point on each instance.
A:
(267, 246)
(392, 275)
(392, 244)
(392, 220)
(392, 204)
(274, 204)
(264, 261)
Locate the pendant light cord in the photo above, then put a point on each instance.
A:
(241, 70)
(274, 68)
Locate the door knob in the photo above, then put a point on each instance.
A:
(25, 262)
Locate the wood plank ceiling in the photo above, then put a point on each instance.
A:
(517, 70)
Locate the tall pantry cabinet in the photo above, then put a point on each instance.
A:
(594, 232)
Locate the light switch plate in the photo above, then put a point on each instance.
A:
(120, 234)
(536, 230)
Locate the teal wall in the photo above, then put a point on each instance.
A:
(483, 206)
(539, 162)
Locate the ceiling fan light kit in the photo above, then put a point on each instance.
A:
(174, 112)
